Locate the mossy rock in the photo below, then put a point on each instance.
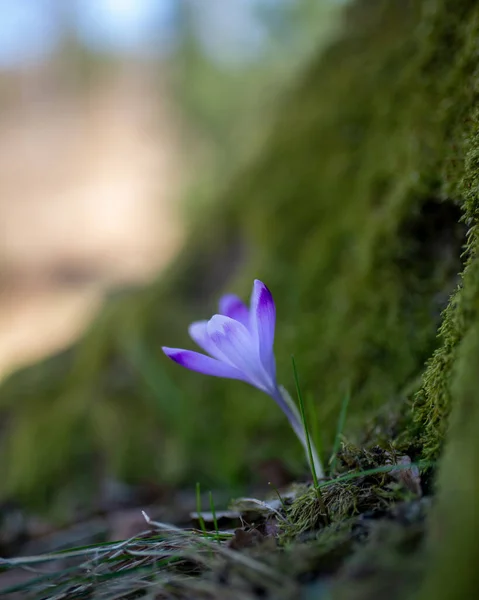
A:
(359, 212)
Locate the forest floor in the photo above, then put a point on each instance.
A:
(358, 535)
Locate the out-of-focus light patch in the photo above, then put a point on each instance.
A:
(126, 25)
(28, 31)
(230, 31)
(233, 32)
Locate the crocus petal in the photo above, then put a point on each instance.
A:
(198, 333)
(237, 345)
(203, 364)
(263, 321)
(232, 306)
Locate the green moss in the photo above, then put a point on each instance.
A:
(351, 215)
(459, 179)
(348, 498)
(453, 565)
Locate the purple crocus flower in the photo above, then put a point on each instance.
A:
(239, 342)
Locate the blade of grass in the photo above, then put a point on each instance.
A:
(308, 440)
(312, 412)
(305, 424)
(215, 520)
(92, 549)
(283, 505)
(198, 509)
(375, 471)
(318, 465)
(339, 430)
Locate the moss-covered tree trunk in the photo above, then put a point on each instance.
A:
(454, 535)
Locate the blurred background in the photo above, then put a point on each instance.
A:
(118, 120)
(155, 154)
(122, 124)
